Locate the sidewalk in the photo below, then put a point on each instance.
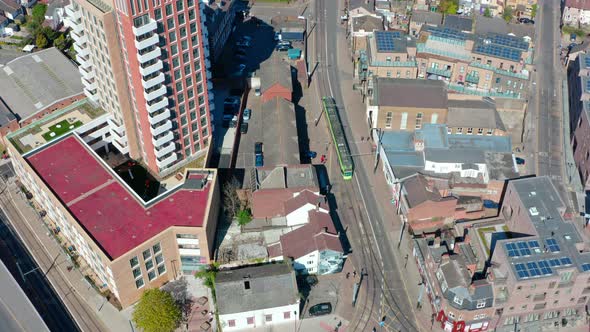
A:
(112, 318)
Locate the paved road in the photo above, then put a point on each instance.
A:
(386, 295)
(545, 128)
(16, 257)
(16, 311)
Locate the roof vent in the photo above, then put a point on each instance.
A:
(533, 193)
(534, 211)
(487, 41)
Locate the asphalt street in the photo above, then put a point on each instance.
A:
(369, 237)
(35, 285)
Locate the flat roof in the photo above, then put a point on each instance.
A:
(105, 207)
(400, 92)
(38, 80)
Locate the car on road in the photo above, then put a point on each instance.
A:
(320, 309)
(520, 161)
(247, 114)
(283, 47)
(244, 128)
(526, 20)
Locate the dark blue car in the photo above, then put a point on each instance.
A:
(259, 160)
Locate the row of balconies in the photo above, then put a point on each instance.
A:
(150, 67)
(159, 116)
(166, 160)
(161, 127)
(154, 92)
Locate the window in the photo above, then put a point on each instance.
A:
(231, 323)
(179, 5)
(481, 304)
(168, 9)
(452, 315)
(404, 121)
(161, 269)
(490, 132)
(250, 320)
(388, 119)
(152, 275)
(458, 300)
(172, 36)
(149, 265)
(170, 23)
(174, 49)
(158, 13)
(146, 254)
(134, 262)
(480, 131)
(286, 315)
(181, 19)
(247, 284)
(159, 259)
(419, 120)
(191, 14)
(139, 283)
(136, 273)
(157, 248)
(268, 318)
(469, 131)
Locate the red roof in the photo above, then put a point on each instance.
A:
(271, 203)
(579, 4)
(111, 215)
(319, 234)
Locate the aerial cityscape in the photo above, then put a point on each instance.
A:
(295, 165)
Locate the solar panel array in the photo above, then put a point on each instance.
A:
(510, 41)
(533, 269)
(447, 33)
(386, 40)
(587, 61)
(521, 248)
(498, 51)
(552, 245)
(585, 267)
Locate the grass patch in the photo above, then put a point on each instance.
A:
(573, 30)
(59, 129)
(138, 178)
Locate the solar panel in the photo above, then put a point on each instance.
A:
(587, 61)
(585, 267)
(545, 269)
(524, 248)
(565, 261)
(552, 245)
(386, 40)
(521, 271)
(498, 51)
(510, 41)
(534, 244)
(512, 251)
(554, 262)
(447, 33)
(533, 269)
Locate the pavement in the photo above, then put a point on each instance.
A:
(16, 311)
(88, 308)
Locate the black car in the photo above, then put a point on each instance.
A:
(320, 309)
(283, 47)
(258, 148)
(244, 128)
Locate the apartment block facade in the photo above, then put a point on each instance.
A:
(159, 63)
(93, 28)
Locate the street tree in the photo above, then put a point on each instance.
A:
(448, 6)
(41, 41)
(508, 14)
(534, 9)
(231, 200)
(244, 216)
(156, 311)
(60, 42)
(487, 12)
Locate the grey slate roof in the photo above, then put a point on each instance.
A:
(35, 81)
(271, 285)
(458, 22)
(426, 17)
(366, 4)
(401, 92)
(460, 285)
(293, 176)
(485, 25)
(474, 114)
(5, 115)
(275, 71)
(367, 23)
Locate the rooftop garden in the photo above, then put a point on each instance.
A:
(501, 233)
(59, 129)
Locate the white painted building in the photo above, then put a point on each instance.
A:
(257, 296)
(576, 12)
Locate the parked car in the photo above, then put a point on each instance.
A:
(520, 161)
(283, 47)
(320, 309)
(234, 122)
(284, 42)
(244, 128)
(259, 161)
(247, 114)
(258, 148)
(277, 35)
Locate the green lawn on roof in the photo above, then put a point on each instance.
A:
(59, 129)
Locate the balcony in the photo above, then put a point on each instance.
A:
(439, 72)
(153, 81)
(159, 116)
(163, 103)
(120, 147)
(206, 52)
(471, 78)
(84, 62)
(90, 84)
(207, 64)
(166, 149)
(92, 95)
(71, 12)
(149, 69)
(75, 25)
(79, 38)
(81, 50)
(209, 85)
(86, 74)
(160, 141)
(145, 26)
(155, 53)
(154, 93)
(166, 161)
(161, 128)
(147, 42)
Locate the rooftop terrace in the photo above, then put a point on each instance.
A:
(111, 213)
